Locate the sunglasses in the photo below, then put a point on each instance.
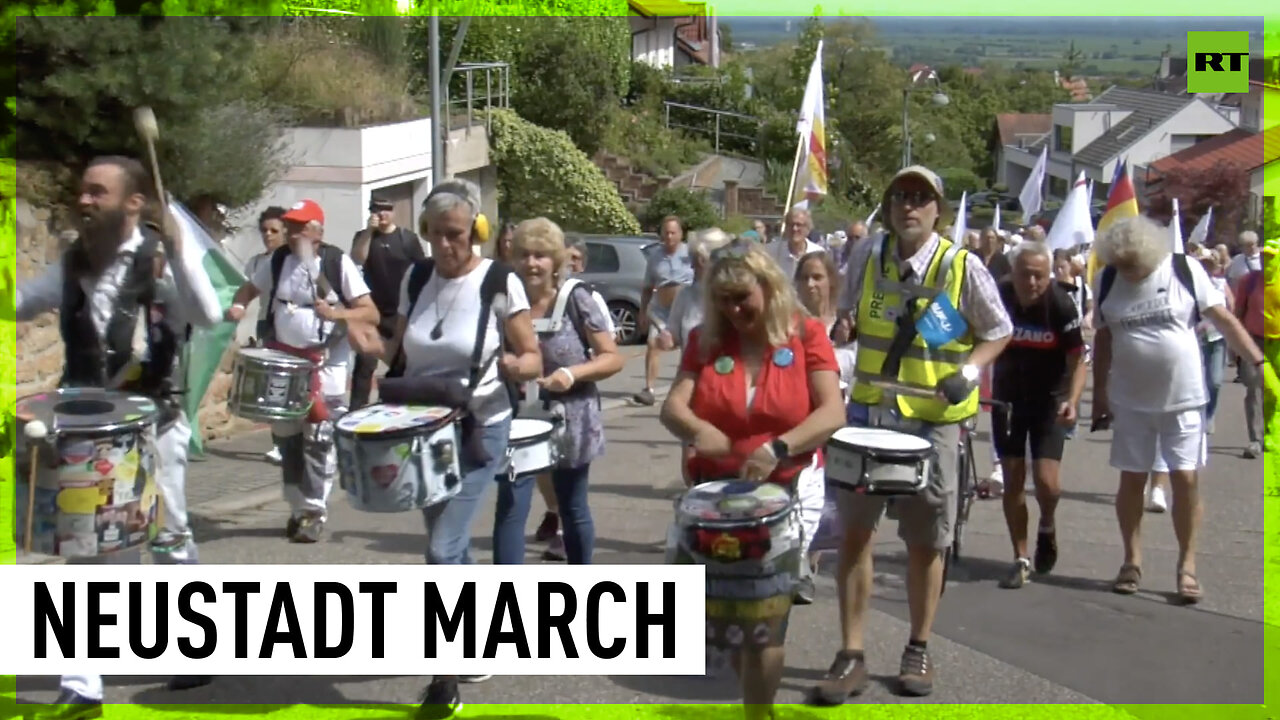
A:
(730, 252)
(915, 198)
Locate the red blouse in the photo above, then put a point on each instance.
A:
(782, 397)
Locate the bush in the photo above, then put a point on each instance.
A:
(693, 208)
(541, 173)
(957, 181)
(640, 136)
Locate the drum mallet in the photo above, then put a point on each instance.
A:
(145, 122)
(35, 433)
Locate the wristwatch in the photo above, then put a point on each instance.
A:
(780, 449)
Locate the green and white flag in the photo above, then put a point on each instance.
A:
(204, 351)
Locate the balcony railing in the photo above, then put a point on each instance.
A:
(474, 89)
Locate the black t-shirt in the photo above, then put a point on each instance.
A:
(999, 266)
(1032, 370)
(390, 254)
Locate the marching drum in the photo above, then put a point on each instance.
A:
(877, 461)
(95, 490)
(270, 385)
(749, 537)
(532, 448)
(396, 458)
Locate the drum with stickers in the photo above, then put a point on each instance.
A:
(878, 461)
(95, 489)
(270, 385)
(533, 447)
(748, 535)
(397, 458)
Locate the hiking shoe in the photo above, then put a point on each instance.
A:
(310, 528)
(1253, 451)
(915, 675)
(846, 678)
(805, 591)
(1046, 552)
(440, 700)
(555, 550)
(291, 528)
(548, 529)
(644, 397)
(1018, 576)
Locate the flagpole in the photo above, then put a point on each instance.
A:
(795, 172)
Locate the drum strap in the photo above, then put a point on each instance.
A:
(330, 274)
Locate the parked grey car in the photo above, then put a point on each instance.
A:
(615, 267)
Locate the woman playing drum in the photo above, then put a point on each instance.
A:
(756, 395)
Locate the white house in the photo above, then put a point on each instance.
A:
(1140, 126)
(673, 33)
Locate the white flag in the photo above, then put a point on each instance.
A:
(1200, 233)
(958, 230)
(995, 218)
(811, 165)
(1073, 226)
(1176, 230)
(1032, 197)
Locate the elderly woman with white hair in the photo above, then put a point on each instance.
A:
(1149, 379)
(466, 302)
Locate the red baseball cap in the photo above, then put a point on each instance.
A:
(304, 211)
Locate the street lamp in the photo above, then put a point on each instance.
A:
(920, 80)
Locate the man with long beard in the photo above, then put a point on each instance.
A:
(118, 274)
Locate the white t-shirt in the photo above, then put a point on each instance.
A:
(1155, 356)
(454, 304)
(296, 322)
(686, 313)
(781, 254)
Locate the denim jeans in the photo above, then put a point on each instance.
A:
(512, 514)
(449, 523)
(1215, 363)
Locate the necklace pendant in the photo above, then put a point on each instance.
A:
(437, 332)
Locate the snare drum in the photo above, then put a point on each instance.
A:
(878, 461)
(270, 385)
(748, 535)
(396, 458)
(532, 449)
(95, 490)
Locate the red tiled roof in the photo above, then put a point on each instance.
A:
(1011, 125)
(1241, 148)
(917, 68)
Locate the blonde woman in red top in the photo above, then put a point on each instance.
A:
(757, 395)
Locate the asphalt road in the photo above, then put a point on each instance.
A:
(1062, 639)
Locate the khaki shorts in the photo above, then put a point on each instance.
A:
(924, 520)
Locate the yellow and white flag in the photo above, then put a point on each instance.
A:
(811, 165)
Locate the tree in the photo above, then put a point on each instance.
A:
(693, 209)
(726, 37)
(1222, 187)
(96, 70)
(567, 73)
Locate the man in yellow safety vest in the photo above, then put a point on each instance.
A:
(928, 315)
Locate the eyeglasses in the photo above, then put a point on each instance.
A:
(914, 198)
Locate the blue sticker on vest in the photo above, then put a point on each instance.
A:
(941, 323)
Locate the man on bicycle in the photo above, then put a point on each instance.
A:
(1042, 371)
(927, 315)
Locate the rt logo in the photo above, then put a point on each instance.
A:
(1218, 62)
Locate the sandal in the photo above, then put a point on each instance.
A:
(1126, 582)
(1188, 587)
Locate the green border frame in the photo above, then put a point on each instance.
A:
(726, 9)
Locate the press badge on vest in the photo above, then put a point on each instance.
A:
(941, 323)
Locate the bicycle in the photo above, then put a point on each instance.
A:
(967, 472)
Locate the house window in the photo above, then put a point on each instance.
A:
(1057, 187)
(1062, 138)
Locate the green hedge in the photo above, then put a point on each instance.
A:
(693, 208)
(542, 173)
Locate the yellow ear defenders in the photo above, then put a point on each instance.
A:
(480, 230)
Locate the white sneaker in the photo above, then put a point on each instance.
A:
(274, 455)
(995, 485)
(473, 679)
(1156, 501)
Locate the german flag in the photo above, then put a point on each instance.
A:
(1122, 202)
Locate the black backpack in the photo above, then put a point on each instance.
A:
(330, 272)
(493, 285)
(1181, 270)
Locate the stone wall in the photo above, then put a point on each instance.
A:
(39, 345)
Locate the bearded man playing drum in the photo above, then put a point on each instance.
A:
(757, 394)
(101, 286)
(307, 319)
(895, 285)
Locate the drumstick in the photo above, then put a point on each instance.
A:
(144, 119)
(35, 432)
